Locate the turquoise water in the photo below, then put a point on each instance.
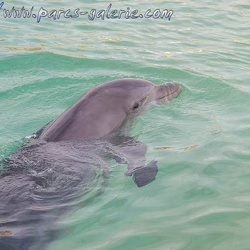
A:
(201, 140)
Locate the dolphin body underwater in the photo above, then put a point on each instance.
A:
(49, 174)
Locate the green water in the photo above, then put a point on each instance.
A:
(201, 140)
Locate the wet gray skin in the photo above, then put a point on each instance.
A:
(106, 107)
(53, 172)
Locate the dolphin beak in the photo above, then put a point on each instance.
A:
(167, 92)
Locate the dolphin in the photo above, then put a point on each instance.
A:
(51, 172)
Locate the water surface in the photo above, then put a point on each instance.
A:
(201, 140)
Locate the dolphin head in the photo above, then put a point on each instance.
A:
(106, 108)
(133, 96)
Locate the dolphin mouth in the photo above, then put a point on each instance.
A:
(167, 92)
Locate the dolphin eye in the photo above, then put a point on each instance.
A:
(136, 106)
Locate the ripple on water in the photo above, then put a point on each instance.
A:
(200, 199)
